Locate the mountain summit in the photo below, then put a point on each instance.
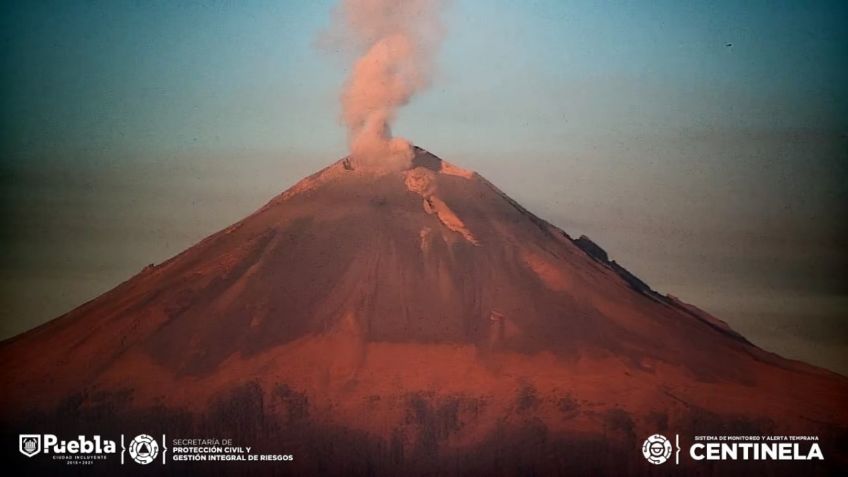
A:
(407, 322)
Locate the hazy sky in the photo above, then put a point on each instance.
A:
(703, 144)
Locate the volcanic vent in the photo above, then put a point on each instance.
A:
(405, 321)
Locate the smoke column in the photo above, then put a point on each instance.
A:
(395, 42)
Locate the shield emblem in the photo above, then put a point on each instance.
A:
(29, 444)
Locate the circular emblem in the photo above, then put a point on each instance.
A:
(143, 449)
(657, 449)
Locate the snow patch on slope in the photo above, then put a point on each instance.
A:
(448, 218)
(421, 181)
(452, 170)
(424, 234)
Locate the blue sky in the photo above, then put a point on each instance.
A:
(175, 76)
(702, 143)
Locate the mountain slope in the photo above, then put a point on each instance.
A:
(425, 310)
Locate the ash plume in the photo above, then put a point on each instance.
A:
(395, 44)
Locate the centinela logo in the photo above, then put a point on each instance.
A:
(657, 449)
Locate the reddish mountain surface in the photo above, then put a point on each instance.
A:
(411, 322)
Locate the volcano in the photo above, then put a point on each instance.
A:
(411, 322)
